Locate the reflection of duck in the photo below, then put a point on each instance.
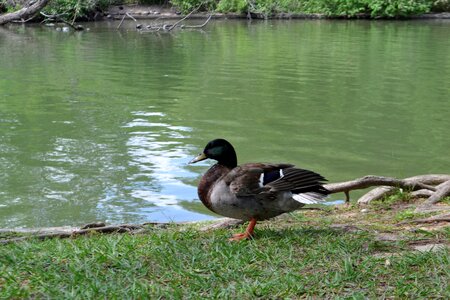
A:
(254, 191)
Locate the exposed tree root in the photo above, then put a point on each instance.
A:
(435, 186)
(223, 224)
(435, 219)
(442, 191)
(87, 229)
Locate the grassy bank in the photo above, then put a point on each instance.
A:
(342, 253)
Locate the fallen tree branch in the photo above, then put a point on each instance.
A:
(23, 13)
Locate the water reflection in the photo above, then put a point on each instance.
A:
(157, 153)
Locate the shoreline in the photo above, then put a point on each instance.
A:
(152, 12)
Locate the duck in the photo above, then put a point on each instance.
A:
(254, 191)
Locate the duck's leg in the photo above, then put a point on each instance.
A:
(247, 234)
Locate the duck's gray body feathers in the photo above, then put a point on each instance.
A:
(259, 191)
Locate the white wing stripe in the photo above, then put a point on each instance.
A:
(261, 180)
(309, 198)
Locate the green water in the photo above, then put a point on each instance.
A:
(99, 125)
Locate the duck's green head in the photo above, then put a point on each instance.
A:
(220, 150)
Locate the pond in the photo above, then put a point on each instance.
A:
(100, 124)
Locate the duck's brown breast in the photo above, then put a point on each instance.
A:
(207, 183)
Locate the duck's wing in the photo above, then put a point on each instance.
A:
(254, 179)
(248, 179)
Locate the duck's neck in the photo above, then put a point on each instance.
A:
(229, 160)
(207, 182)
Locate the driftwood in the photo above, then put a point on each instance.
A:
(25, 13)
(436, 185)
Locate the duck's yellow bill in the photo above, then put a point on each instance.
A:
(200, 157)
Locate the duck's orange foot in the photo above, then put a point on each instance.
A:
(240, 237)
(248, 234)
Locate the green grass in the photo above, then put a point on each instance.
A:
(299, 256)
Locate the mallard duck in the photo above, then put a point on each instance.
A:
(254, 191)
